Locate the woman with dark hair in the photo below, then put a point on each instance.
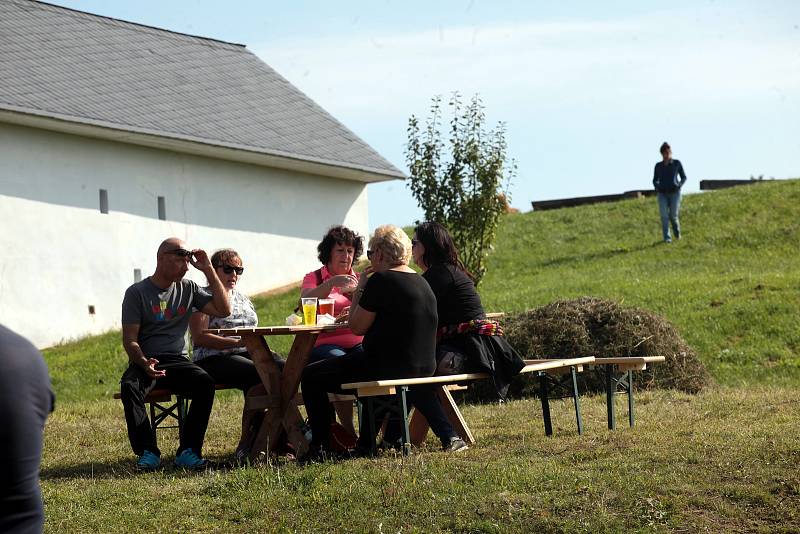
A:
(336, 280)
(466, 340)
(395, 311)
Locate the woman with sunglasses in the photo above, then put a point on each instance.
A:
(336, 280)
(226, 358)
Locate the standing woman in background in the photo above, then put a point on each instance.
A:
(668, 179)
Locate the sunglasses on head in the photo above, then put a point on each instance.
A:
(228, 269)
(182, 252)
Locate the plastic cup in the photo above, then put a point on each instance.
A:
(326, 306)
(309, 310)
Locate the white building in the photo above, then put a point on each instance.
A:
(114, 136)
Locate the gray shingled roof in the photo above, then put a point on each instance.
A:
(68, 64)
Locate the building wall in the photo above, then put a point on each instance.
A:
(61, 255)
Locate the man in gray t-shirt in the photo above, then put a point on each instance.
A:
(155, 317)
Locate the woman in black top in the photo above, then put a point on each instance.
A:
(395, 310)
(467, 342)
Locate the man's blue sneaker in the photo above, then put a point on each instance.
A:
(148, 461)
(187, 459)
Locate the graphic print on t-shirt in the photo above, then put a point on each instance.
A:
(162, 311)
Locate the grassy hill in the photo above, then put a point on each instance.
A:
(731, 286)
(721, 461)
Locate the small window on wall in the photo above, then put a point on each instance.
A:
(137, 275)
(162, 209)
(103, 201)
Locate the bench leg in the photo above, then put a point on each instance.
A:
(576, 399)
(454, 415)
(610, 390)
(373, 445)
(630, 397)
(545, 396)
(404, 414)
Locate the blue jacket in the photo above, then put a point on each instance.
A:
(665, 176)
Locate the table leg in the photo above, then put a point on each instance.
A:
(290, 417)
(270, 376)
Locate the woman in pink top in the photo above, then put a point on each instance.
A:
(336, 280)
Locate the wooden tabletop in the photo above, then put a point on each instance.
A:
(276, 330)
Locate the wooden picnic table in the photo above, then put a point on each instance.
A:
(281, 386)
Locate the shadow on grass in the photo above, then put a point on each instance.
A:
(600, 255)
(125, 468)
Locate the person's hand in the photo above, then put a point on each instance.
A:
(151, 370)
(362, 278)
(199, 260)
(344, 315)
(345, 282)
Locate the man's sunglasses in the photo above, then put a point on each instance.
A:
(228, 269)
(182, 252)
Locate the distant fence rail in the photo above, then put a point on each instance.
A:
(580, 201)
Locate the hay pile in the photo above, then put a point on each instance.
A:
(602, 328)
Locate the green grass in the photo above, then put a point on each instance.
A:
(721, 461)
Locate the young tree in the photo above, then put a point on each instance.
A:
(466, 189)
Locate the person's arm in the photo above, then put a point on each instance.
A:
(682, 173)
(199, 322)
(324, 289)
(655, 176)
(360, 320)
(130, 342)
(220, 305)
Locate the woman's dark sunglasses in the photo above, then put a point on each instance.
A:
(369, 254)
(228, 269)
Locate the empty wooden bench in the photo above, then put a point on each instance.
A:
(391, 394)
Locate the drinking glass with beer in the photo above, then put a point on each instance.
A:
(326, 307)
(309, 310)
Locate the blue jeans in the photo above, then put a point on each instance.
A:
(327, 351)
(669, 206)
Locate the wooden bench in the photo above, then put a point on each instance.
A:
(391, 394)
(619, 379)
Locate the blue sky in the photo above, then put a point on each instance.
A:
(588, 90)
